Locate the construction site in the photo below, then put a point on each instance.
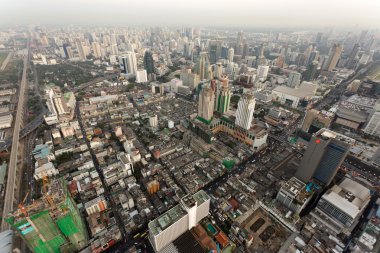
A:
(51, 224)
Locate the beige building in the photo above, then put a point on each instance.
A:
(206, 103)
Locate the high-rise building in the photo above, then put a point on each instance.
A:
(311, 71)
(148, 62)
(353, 58)
(81, 50)
(206, 103)
(223, 96)
(294, 79)
(262, 72)
(128, 63)
(230, 55)
(334, 56)
(141, 76)
(373, 125)
(202, 66)
(318, 38)
(215, 50)
(52, 223)
(324, 155)
(244, 113)
(181, 218)
(316, 120)
(189, 79)
(218, 70)
(96, 50)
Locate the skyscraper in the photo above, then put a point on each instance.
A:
(148, 62)
(206, 103)
(81, 50)
(215, 50)
(223, 96)
(352, 59)
(311, 71)
(230, 55)
(202, 66)
(334, 56)
(96, 49)
(128, 63)
(294, 79)
(324, 155)
(244, 113)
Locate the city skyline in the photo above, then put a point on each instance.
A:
(273, 14)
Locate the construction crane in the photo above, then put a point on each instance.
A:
(49, 199)
(22, 207)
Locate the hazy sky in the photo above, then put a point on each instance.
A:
(248, 13)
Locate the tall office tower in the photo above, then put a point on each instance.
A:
(244, 113)
(373, 125)
(218, 70)
(362, 38)
(70, 53)
(202, 66)
(148, 62)
(224, 53)
(96, 49)
(128, 63)
(189, 33)
(352, 59)
(334, 56)
(44, 40)
(311, 71)
(230, 55)
(313, 57)
(52, 223)
(306, 55)
(179, 219)
(206, 102)
(262, 72)
(324, 155)
(215, 50)
(141, 76)
(81, 50)
(114, 49)
(223, 96)
(318, 38)
(240, 37)
(294, 79)
(65, 46)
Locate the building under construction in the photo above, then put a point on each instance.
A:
(51, 224)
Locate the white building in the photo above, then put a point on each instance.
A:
(244, 113)
(153, 121)
(294, 79)
(181, 218)
(6, 121)
(96, 205)
(262, 72)
(292, 96)
(170, 124)
(141, 76)
(96, 49)
(128, 63)
(373, 125)
(46, 169)
(341, 207)
(230, 55)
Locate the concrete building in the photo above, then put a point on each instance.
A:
(223, 96)
(292, 96)
(341, 207)
(230, 55)
(153, 121)
(244, 113)
(324, 155)
(128, 63)
(206, 103)
(334, 56)
(181, 218)
(6, 241)
(141, 76)
(45, 170)
(315, 120)
(354, 86)
(202, 66)
(189, 79)
(294, 79)
(6, 121)
(294, 195)
(96, 50)
(262, 73)
(373, 125)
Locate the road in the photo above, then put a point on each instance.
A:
(5, 62)
(13, 160)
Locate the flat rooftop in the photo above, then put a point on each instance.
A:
(159, 224)
(326, 133)
(349, 196)
(306, 89)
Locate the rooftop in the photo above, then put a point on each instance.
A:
(349, 196)
(306, 89)
(325, 133)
